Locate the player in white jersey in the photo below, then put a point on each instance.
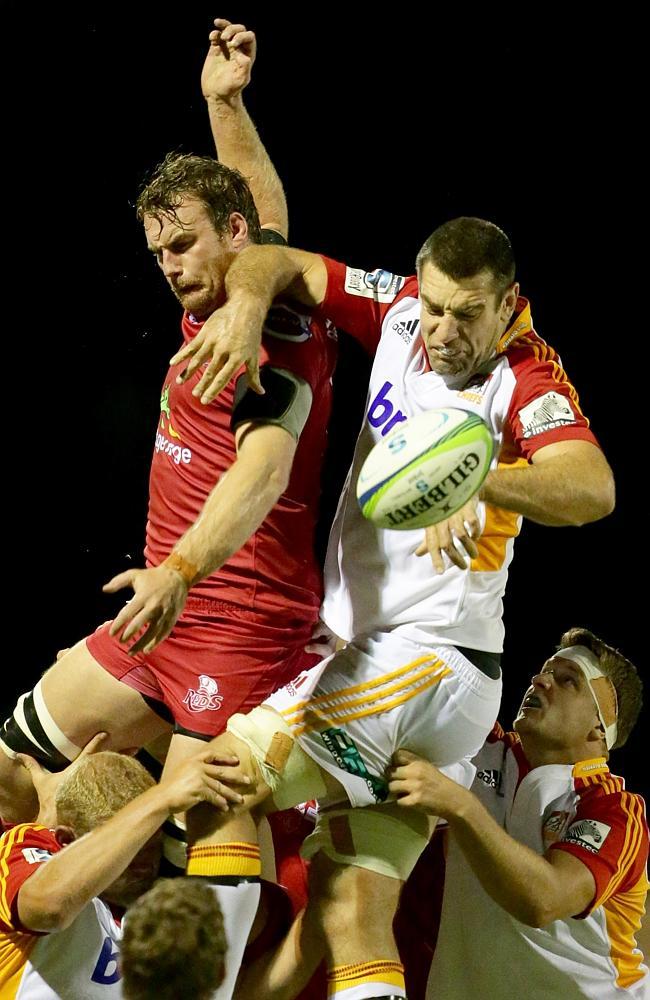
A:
(57, 937)
(546, 862)
(422, 646)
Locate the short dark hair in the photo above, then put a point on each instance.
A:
(182, 175)
(466, 246)
(621, 672)
(174, 943)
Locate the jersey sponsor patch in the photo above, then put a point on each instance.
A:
(546, 413)
(346, 754)
(380, 285)
(587, 833)
(36, 855)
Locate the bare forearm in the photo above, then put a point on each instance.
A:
(518, 879)
(259, 273)
(52, 898)
(239, 146)
(235, 509)
(558, 492)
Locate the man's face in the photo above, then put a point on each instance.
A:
(192, 255)
(461, 321)
(558, 709)
(138, 877)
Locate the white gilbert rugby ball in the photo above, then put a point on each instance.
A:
(425, 469)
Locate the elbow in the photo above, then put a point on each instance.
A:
(277, 479)
(600, 503)
(550, 903)
(588, 502)
(46, 916)
(608, 498)
(537, 912)
(537, 916)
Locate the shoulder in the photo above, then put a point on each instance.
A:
(380, 285)
(27, 834)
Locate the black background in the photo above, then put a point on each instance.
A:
(382, 126)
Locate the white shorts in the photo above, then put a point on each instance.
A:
(353, 710)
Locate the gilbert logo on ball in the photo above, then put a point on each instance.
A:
(425, 469)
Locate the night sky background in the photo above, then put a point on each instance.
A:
(382, 127)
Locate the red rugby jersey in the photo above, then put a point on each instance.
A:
(276, 573)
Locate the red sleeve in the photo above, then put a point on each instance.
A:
(357, 300)
(23, 849)
(544, 406)
(609, 834)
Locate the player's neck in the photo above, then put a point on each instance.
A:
(540, 754)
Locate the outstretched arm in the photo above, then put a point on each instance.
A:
(568, 483)
(534, 888)
(226, 71)
(57, 891)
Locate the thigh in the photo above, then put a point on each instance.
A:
(207, 825)
(352, 711)
(451, 720)
(82, 699)
(74, 700)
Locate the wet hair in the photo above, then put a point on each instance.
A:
(97, 787)
(465, 247)
(621, 672)
(219, 188)
(174, 943)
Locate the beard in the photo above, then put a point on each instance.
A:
(196, 299)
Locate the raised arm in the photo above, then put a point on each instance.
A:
(226, 71)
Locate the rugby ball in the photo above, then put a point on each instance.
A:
(425, 469)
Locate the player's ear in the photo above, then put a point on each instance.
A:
(238, 230)
(509, 302)
(64, 835)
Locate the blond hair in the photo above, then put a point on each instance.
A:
(97, 787)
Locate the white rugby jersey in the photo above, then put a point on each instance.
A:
(78, 963)
(585, 810)
(373, 580)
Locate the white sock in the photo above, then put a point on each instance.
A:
(239, 905)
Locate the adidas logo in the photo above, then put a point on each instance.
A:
(406, 329)
(490, 777)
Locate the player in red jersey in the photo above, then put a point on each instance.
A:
(232, 583)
